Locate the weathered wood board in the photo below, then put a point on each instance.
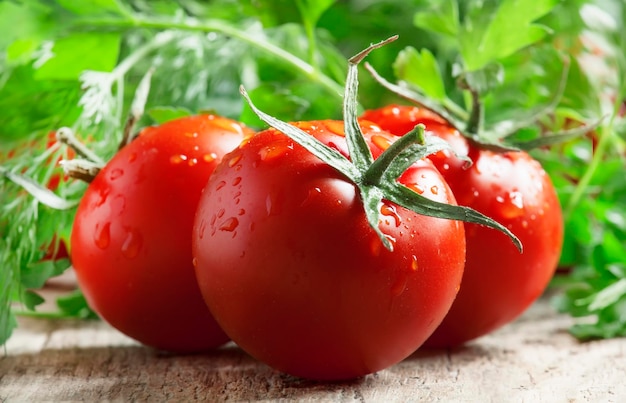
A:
(531, 360)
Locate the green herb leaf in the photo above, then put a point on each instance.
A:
(487, 37)
(73, 55)
(421, 70)
(442, 19)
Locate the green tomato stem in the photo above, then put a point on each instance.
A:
(376, 171)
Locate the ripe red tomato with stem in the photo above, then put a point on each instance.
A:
(131, 245)
(511, 187)
(313, 249)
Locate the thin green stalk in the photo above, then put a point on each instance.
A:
(191, 24)
(605, 135)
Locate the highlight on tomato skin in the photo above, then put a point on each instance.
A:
(131, 246)
(294, 274)
(499, 283)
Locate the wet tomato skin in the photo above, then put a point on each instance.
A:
(131, 246)
(499, 283)
(295, 276)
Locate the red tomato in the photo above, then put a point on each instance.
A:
(499, 283)
(131, 244)
(294, 274)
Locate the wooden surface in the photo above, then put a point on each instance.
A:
(532, 360)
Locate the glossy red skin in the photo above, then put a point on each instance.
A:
(131, 244)
(295, 276)
(499, 283)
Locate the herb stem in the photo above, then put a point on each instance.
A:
(605, 135)
(192, 24)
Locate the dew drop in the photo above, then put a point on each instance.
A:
(234, 160)
(132, 244)
(230, 224)
(274, 151)
(511, 204)
(132, 157)
(381, 142)
(228, 125)
(202, 228)
(312, 192)
(209, 157)
(103, 195)
(434, 189)
(220, 185)
(336, 127)
(241, 212)
(192, 161)
(102, 235)
(178, 158)
(115, 174)
(414, 265)
(272, 204)
(194, 262)
(220, 213)
(237, 181)
(419, 189)
(390, 211)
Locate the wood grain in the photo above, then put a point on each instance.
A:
(532, 360)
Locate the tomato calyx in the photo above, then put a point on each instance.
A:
(377, 179)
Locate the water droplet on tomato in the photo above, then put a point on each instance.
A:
(203, 226)
(241, 212)
(220, 185)
(311, 193)
(237, 181)
(274, 150)
(272, 204)
(445, 167)
(115, 174)
(220, 213)
(132, 157)
(381, 142)
(209, 157)
(511, 204)
(417, 188)
(234, 160)
(102, 235)
(414, 264)
(132, 244)
(434, 189)
(102, 197)
(228, 125)
(230, 224)
(178, 158)
(194, 262)
(390, 211)
(192, 161)
(335, 127)
(191, 135)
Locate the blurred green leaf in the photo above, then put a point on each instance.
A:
(74, 54)
(421, 69)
